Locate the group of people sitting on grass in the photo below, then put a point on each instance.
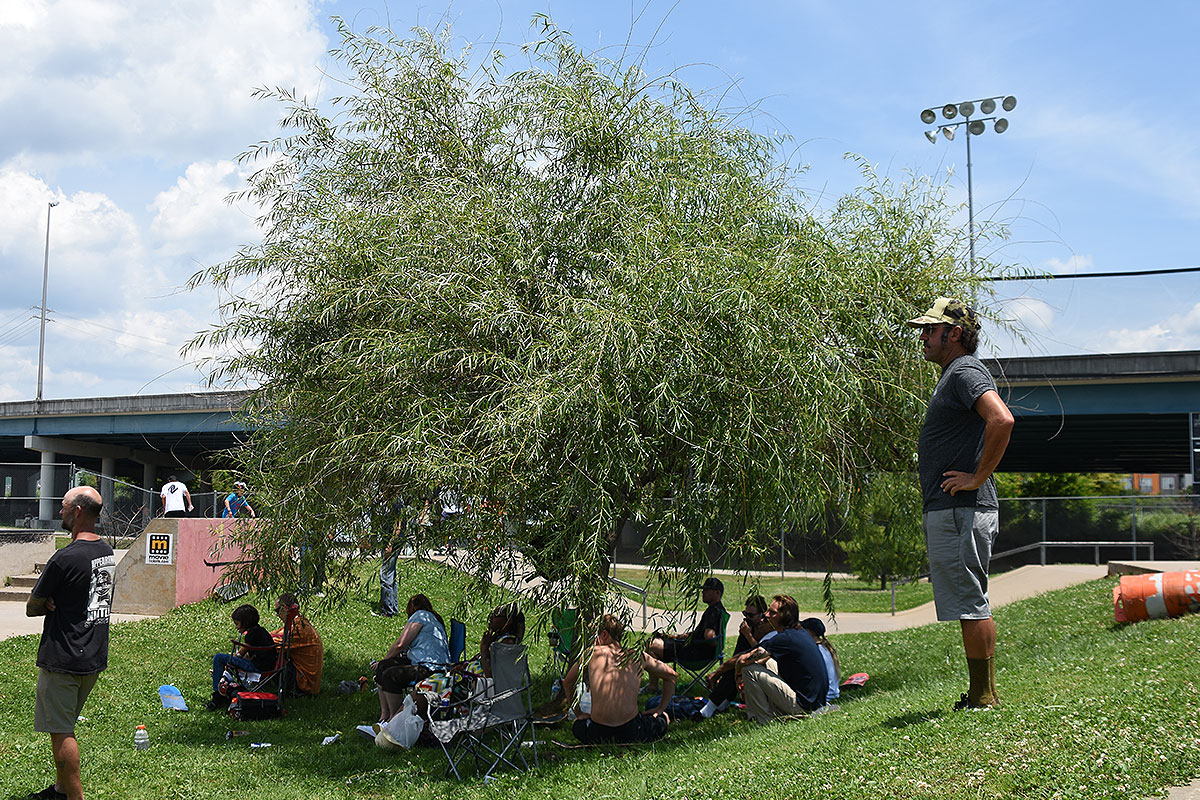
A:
(783, 667)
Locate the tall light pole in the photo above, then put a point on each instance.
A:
(974, 127)
(45, 280)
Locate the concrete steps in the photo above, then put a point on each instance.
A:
(17, 590)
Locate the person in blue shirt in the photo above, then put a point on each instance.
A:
(785, 675)
(421, 650)
(816, 629)
(236, 502)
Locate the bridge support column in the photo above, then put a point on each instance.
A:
(108, 467)
(46, 510)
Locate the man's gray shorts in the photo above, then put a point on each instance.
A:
(959, 541)
(60, 698)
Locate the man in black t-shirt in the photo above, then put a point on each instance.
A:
(74, 593)
(700, 644)
(257, 652)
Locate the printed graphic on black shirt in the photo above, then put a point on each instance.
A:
(101, 590)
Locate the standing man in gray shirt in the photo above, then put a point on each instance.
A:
(966, 430)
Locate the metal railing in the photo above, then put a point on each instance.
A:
(1094, 545)
(635, 589)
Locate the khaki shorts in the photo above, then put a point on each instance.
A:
(959, 541)
(60, 698)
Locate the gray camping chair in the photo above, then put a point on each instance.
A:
(493, 724)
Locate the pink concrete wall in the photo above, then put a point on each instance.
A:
(194, 544)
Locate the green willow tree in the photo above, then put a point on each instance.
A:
(577, 295)
(883, 540)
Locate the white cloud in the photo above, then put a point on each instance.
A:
(159, 79)
(193, 219)
(1137, 148)
(1071, 266)
(1176, 332)
(95, 246)
(1030, 313)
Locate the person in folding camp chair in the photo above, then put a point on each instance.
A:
(305, 649)
(613, 676)
(506, 624)
(700, 644)
(421, 649)
(256, 653)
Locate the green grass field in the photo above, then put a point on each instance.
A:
(1091, 710)
(850, 595)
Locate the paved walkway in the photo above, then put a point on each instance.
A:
(1005, 588)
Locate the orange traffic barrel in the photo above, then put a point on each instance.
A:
(1157, 595)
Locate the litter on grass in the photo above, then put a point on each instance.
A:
(172, 698)
(331, 739)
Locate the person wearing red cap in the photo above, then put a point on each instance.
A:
(966, 431)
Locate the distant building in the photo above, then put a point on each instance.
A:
(1156, 483)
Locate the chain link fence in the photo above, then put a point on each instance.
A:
(1169, 523)
(25, 505)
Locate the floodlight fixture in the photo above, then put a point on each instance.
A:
(975, 127)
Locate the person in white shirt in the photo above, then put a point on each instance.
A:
(176, 498)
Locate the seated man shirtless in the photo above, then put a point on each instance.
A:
(613, 676)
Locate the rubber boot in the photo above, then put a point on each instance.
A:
(979, 693)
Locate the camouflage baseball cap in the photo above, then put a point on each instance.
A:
(950, 311)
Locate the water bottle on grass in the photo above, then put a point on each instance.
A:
(141, 739)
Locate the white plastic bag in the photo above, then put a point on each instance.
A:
(402, 730)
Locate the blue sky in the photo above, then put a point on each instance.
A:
(130, 113)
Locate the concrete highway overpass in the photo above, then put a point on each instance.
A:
(1124, 413)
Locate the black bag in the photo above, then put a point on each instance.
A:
(255, 705)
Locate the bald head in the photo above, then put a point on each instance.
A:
(80, 509)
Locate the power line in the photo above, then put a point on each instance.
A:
(16, 334)
(1123, 274)
(126, 346)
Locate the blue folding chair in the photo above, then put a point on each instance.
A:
(457, 640)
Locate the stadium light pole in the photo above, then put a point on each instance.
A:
(974, 127)
(45, 280)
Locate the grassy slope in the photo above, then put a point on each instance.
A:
(1092, 710)
(848, 595)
